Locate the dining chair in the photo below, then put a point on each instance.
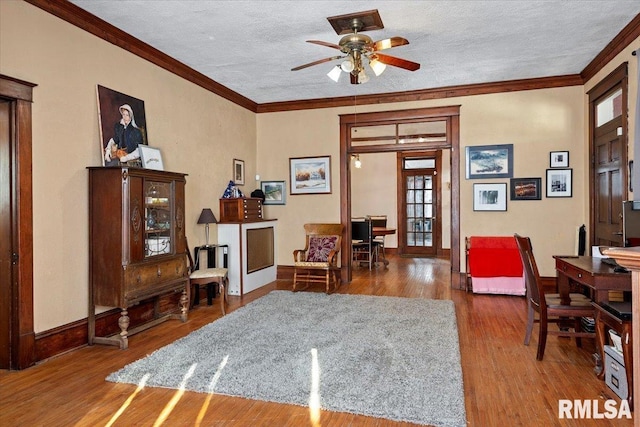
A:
(208, 277)
(549, 306)
(364, 248)
(379, 221)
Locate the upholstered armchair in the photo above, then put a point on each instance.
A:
(318, 261)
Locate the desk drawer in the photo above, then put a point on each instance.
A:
(575, 274)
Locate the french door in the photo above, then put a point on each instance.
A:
(419, 222)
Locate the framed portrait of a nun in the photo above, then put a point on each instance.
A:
(123, 127)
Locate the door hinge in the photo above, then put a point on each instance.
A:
(14, 258)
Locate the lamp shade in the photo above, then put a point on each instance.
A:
(207, 217)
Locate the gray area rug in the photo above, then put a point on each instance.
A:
(385, 357)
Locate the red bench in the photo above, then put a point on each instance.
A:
(494, 265)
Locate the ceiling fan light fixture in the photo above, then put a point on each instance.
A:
(347, 65)
(335, 73)
(362, 77)
(377, 66)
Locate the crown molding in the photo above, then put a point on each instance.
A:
(77, 16)
(424, 94)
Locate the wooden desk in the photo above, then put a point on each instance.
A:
(600, 278)
(592, 273)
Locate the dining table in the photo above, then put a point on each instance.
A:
(383, 231)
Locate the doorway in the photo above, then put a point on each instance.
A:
(419, 208)
(17, 338)
(406, 131)
(608, 151)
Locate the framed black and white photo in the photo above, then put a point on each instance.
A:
(489, 161)
(559, 182)
(559, 159)
(526, 188)
(490, 197)
(275, 192)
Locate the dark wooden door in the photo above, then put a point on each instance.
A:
(6, 248)
(610, 159)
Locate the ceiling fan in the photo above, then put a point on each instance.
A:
(358, 49)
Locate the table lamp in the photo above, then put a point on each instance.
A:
(207, 217)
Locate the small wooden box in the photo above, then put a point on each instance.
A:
(240, 210)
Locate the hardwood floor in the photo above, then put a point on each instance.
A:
(504, 384)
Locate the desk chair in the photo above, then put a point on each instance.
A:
(364, 248)
(548, 306)
(319, 258)
(207, 277)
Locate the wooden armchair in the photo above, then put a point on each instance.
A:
(318, 261)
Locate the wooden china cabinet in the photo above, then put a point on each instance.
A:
(136, 244)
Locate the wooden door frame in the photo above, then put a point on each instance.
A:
(452, 116)
(619, 76)
(20, 95)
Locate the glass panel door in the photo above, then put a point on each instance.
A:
(157, 218)
(420, 212)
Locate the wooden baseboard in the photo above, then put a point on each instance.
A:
(73, 335)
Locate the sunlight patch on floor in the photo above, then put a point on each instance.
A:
(314, 395)
(127, 402)
(211, 388)
(176, 397)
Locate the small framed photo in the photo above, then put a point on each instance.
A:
(559, 159)
(310, 175)
(274, 192)
(526, 188)
(490, 197)
(489, 161)
(238, 172)
(559, 182)
(151, 158)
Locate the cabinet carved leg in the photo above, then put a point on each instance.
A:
(123, 323)
(184, 306)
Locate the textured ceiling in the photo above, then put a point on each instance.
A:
(250, 46)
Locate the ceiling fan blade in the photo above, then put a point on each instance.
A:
(389, 43)
(327, 44)
(397, 62)
(320, 61)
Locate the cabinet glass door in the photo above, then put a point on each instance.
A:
(157, 219)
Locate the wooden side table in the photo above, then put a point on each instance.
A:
(606, 320)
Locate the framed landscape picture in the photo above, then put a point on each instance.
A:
(310, 175)
(526, 188)
(490, 197)
(489, 161)
(274, 192)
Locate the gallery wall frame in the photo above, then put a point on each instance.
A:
(559, 182)
(275, 192)
(526, 188)
(238, 172)
(490, 197)
(310, 175)
(559, 159)
(489, 161)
